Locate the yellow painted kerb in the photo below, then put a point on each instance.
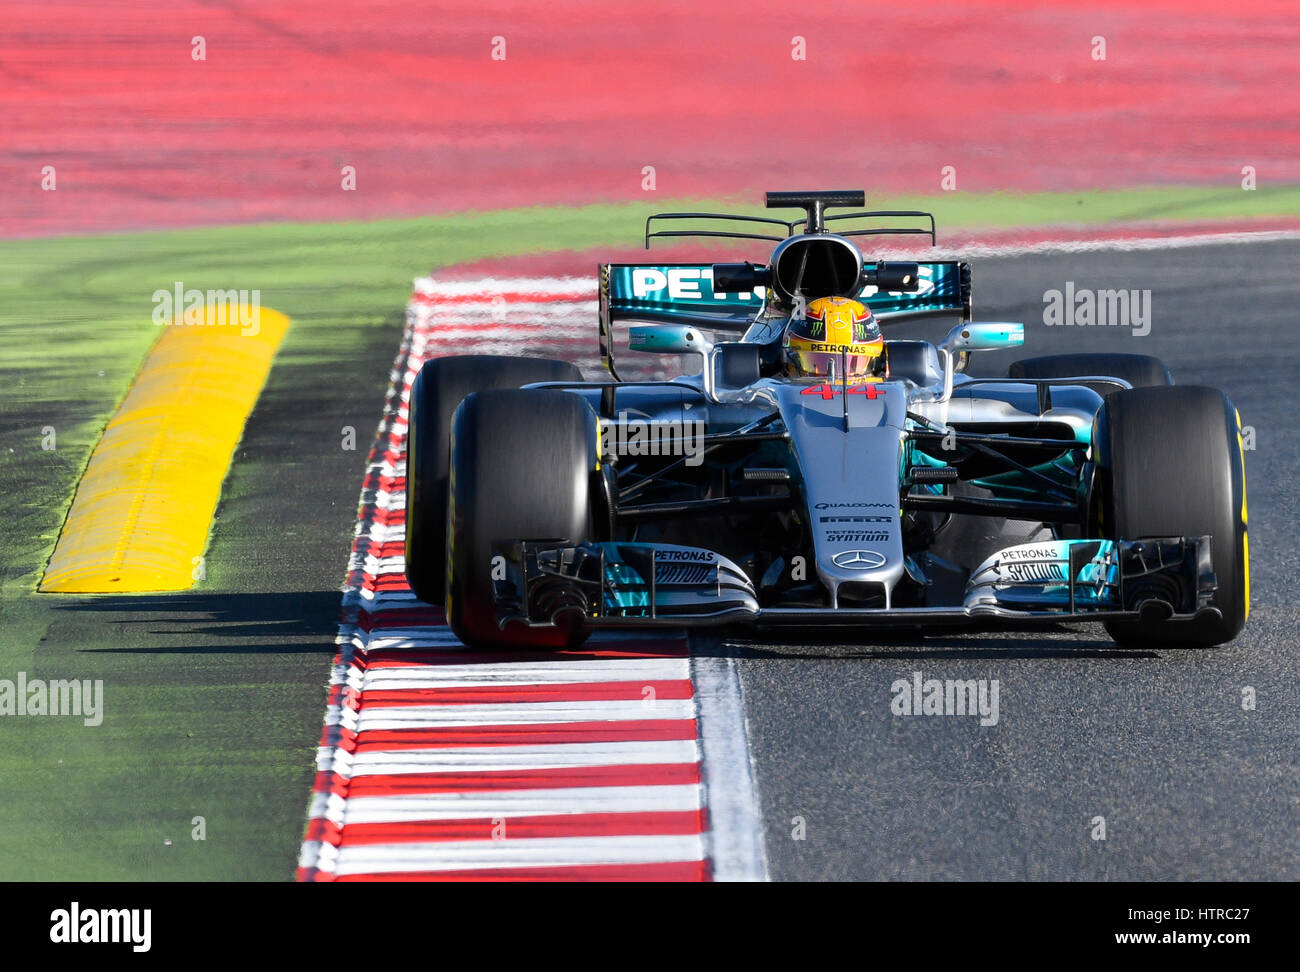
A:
(141, 516)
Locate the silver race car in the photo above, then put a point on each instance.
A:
(814, 474)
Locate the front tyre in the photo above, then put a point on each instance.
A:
(440, 386)
(521, 465)
(1170, 462)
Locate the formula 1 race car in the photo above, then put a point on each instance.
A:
(816, 475)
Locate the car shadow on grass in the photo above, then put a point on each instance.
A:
(212, 623)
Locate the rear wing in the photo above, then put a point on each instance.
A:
(814, 203)
(682, 293)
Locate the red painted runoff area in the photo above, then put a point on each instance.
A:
(176, 112)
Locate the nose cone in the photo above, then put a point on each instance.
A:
(850, 483)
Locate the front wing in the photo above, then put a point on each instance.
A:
(640, 585)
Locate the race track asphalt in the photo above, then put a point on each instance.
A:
(1190, 784)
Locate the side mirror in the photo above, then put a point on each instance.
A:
(668, 339)
(984, 336)
(676, 339)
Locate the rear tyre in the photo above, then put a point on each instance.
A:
(1170, 463)
(1139, 370)
(521, 464)
(440, 386)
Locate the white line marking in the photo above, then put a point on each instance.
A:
(455, 855)
(489, 286)
(735, 832)
(486, 759)
(389, 639)
(445, 317)
(507, 803)
(562, 672)
(520, 713)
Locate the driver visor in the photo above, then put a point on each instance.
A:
(824, 364)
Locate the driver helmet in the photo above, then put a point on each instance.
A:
(833, 333)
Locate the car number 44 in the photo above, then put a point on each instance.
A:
(828, 392)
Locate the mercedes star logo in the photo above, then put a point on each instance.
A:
(858, 559)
